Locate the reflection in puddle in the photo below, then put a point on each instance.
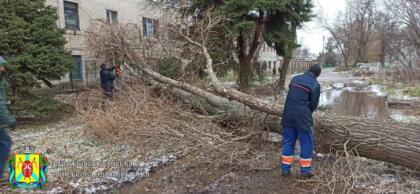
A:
(363, 101)
(406, 115)
(329, 97)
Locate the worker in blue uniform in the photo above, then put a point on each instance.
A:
(301, 101)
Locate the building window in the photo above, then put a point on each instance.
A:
(150, 28)
(71, 15)
(112, 16)
(77, 72)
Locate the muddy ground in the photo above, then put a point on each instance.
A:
(179, 177)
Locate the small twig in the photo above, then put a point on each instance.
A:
(246, 136)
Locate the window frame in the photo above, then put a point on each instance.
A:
(67, 6)
(109, 16)
(154, 27)
(77, 66)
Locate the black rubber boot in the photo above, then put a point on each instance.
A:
(285, 173)
(306, 175)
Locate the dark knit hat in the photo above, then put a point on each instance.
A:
(315, 69)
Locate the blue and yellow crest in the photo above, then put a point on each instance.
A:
(28, 169)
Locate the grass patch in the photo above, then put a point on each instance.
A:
(264, 81)
(371, 80)
(391, 90)
(39, 110)
(341, 68)
(230, 77)
(412, 91)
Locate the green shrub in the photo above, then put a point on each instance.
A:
(230, 77)
(391, 90)
(340, 68)
(170, 67)
(36, 107)
(412, 91)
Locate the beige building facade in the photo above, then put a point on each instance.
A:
(76, 17)
(268, 57)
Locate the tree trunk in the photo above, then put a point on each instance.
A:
(346, 62)
(283, 74)
(246, 58)
(47, 82)
(382, 52)
(289, 47)
(245, 72)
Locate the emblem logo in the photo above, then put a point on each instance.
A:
(28, 169)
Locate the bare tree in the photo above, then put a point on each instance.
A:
(407, 13)
(342, 34)
(386, 32)
(362, 12)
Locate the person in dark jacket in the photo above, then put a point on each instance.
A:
(7, 121)
(301, 101)
(107, 80)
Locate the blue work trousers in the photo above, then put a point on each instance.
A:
(305, 137)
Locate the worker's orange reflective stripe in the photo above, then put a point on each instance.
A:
(287, 160)
(305, 162)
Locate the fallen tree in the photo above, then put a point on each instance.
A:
(391, 141)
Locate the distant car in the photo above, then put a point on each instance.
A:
(369, 66)
(363, 66)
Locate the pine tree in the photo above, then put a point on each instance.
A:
(255, 21)
(282, 30)
(32, 43)
(248, 20)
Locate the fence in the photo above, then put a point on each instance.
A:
(296, 66)
(92, 68)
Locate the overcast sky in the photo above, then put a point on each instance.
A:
(311, 34)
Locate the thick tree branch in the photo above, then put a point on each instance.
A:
(249, 100)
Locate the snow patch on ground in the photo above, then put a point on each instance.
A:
(79, 162)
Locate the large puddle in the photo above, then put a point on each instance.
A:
(362, 100)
